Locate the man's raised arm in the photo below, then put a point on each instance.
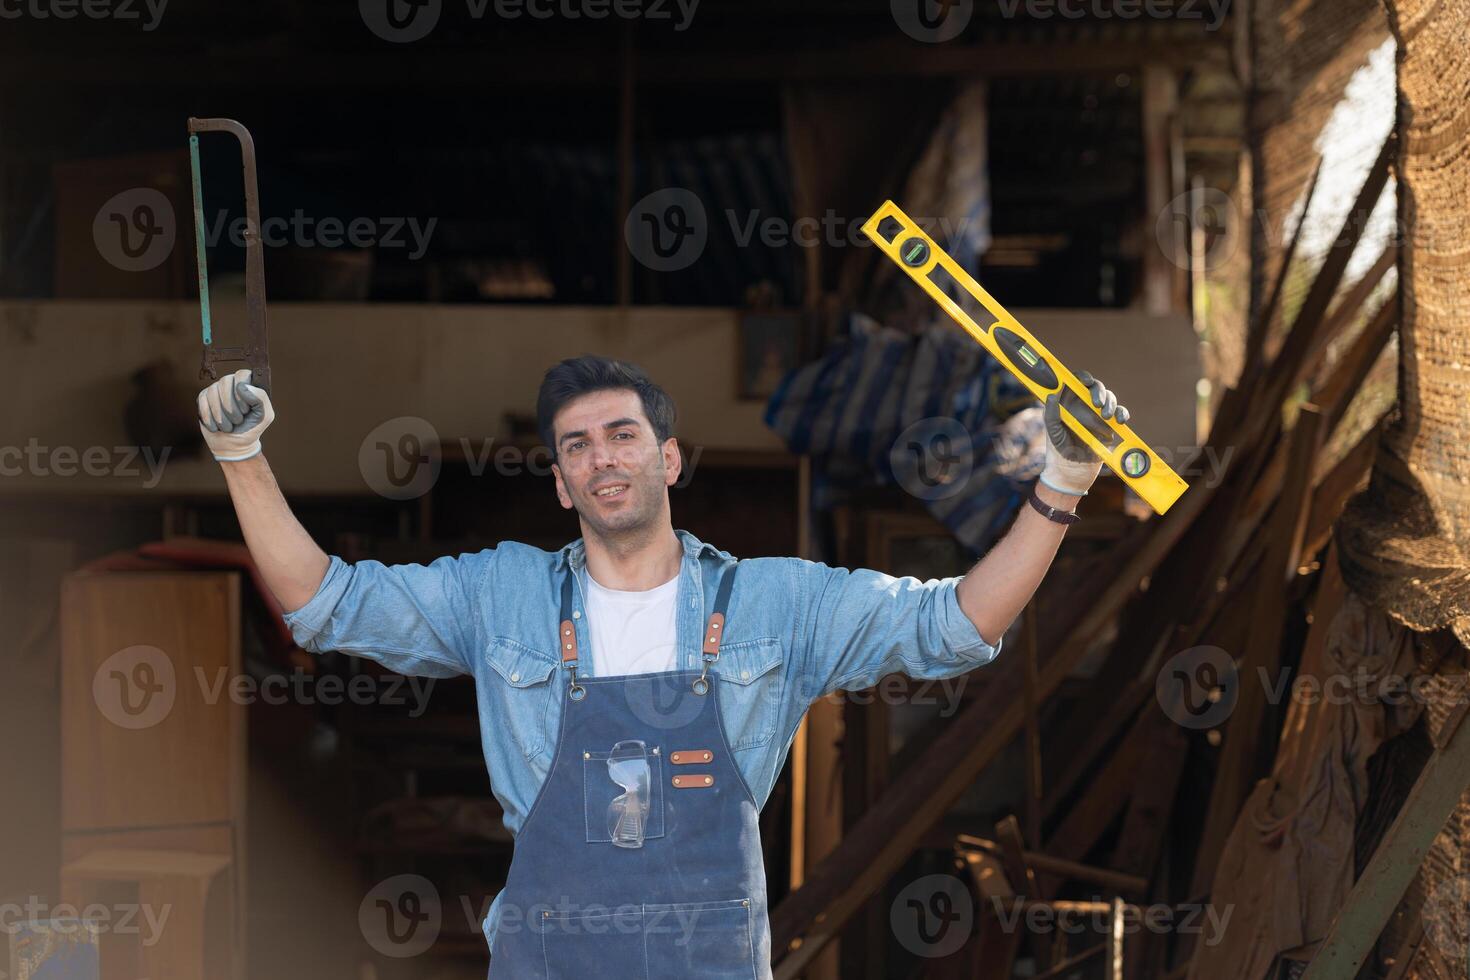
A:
(424, 620)
(233, 414)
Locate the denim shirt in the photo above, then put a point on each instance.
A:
(795, 630)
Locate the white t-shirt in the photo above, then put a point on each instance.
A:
(632, 632)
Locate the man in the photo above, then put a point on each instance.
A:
(637, 696)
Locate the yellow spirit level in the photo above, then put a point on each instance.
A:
(903, 241)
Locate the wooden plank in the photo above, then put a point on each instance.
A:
(594, 65)
(995, 944)
(1068, 966)
(1334, 489)
(1346, 310)
(888, 833)
(1107, 795)
(806, 919)
(1114, 959)
(1236, 770)
(1041, 861)
(1260, 325)
(1394, 864)
(1335, 394)
(1035, 793)
(1162, 264)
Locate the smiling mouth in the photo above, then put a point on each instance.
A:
(615, 490)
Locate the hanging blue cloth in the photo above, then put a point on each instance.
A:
(932, 413)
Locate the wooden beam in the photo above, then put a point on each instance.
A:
(1236, 771)
(808, 918)
(887, 834)
(1041, 861)
(1336, 393)
(1334, 489)
(594, 64)
(1162, 260)
(1394, 864)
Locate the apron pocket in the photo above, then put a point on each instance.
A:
(599, 791)
(607, 942)
(699, 941)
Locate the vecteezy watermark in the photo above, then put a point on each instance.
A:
(401, 459)
(1040, 918)
(148, 12)
(137, 229)
(1119, 10)
(933, 459)
(121, 919)
(137, 688)
(406, 21)
(932, 21)
(401, 916)
(1198, 687)
(34, 459)
(134, 230)
(303, 231)
(933, 916)
(404, 915)
(669, 229)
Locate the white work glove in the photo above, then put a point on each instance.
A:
(232, 415)
(1071, 466)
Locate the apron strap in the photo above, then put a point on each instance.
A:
(567, 639)
(714, 630)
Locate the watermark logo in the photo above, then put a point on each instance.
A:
(932, 21)
(933, 916)
(664, 703)
(143, 920)
(402, 916)
(933, 458)
(135, 687)
(401, 458)
(148, 12)
(667, 230)
(34, 459)
(1207, 209)
(406, 21)
(1198, 687)
(137, 230)
(134, 230)
(1208, 922)
(400, 21)
(1119, 10)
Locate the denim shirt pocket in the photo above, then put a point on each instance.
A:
(524, 701)
(750, 690)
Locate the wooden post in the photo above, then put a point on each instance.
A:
(625, 168)
(1163, 274)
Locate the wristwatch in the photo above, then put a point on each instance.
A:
(1051, 513)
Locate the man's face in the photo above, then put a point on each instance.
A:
(610, 466)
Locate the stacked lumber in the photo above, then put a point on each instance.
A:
(1125, 823)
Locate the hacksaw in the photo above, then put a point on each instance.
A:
(1120, 448)
(256, 350)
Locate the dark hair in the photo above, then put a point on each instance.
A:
(578, 376)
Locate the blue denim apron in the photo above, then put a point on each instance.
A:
(691, 901)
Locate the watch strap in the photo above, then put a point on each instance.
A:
(1053, 514)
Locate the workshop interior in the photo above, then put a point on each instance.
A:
(877, 251)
